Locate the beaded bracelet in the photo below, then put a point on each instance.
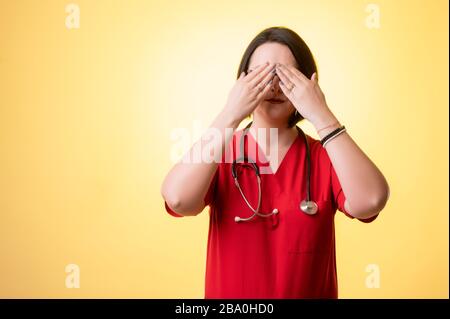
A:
(339, 133)
(332, 135)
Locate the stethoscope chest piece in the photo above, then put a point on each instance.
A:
(308, 207)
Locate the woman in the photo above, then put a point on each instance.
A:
(285, 251)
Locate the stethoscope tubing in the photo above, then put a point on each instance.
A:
(307, 206)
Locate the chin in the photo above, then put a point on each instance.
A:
(275, 112)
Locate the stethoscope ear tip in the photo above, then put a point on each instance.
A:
(237, 219)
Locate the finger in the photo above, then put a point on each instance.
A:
(285, 90)
(252, 74)
(266, 89)
(290, 70)
(258, 78)
(284, 79)
(268, 79)
(266, 82)
(293, 78)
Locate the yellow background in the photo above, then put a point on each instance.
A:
(86, 117)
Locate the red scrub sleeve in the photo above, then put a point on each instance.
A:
(208, 197)
(339, 197)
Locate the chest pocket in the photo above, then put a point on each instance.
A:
(310, 233)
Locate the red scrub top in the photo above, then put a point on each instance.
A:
(288, 255)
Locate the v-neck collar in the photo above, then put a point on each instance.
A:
(266, 163)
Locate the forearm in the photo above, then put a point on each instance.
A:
(186, 184)
(365, 188)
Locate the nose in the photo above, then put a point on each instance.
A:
(276, 85)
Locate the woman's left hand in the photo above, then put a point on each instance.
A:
(305, 94)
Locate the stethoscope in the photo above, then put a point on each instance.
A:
(307, 206)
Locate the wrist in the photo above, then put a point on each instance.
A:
(229, 120)
(325, 124)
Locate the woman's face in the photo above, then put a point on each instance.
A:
(276, 53)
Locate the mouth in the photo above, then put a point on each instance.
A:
(275, 101)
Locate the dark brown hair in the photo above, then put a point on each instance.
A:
(298, 47)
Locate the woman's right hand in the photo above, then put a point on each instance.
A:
(185, 187)
(248, 91)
